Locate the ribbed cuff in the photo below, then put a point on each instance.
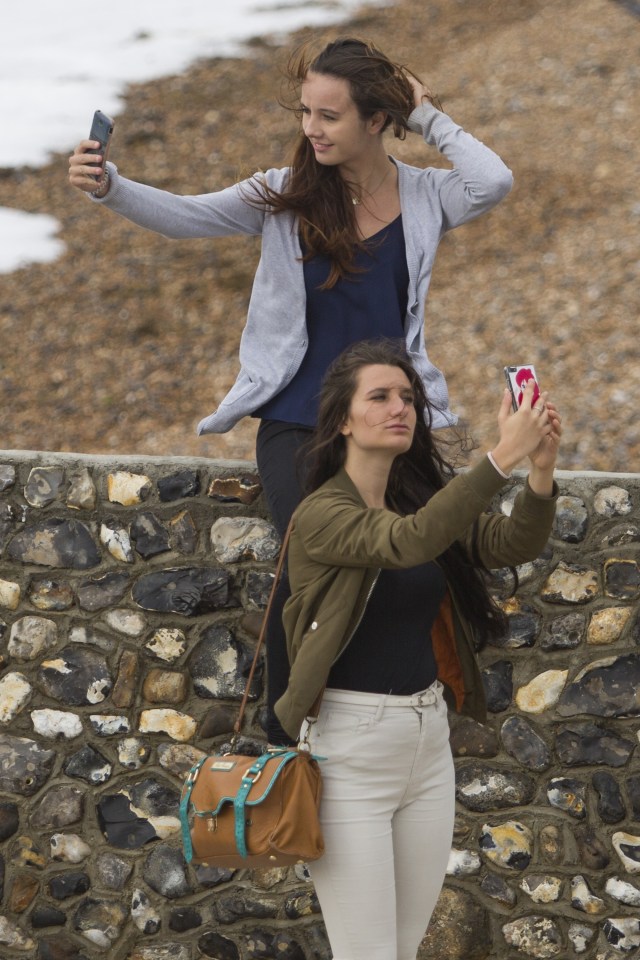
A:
(505, 476)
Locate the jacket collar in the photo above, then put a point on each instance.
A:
(343, 482)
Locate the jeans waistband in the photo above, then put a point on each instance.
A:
(424, 698)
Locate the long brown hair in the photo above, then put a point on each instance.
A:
(414, 477)
(316, 194)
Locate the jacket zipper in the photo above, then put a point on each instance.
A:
(359, 620)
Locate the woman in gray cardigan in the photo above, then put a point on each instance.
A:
(349, 236)
(387, 608)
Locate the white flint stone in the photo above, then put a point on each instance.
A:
(56, 723)
(117, 542)
(179, 726)
(31, 636)
(15, 692)
(580, 936)
(607, 625)
(43, 485)
(526, 572)
(93, 637)
(98, 691)
(463, 863)
(126, 621)
(510, 839)
(99, 937)
(622, 891)
(106, 725)
(69, 847)
(164, 825)
(627, 932)
(58, 664)
(13, 937)
(621, 839)
(573, 584)
(235, 538)
(128, 488)
(9, 594)
(146, 919)
(534, 936)
(542, 889)
(583, 899)
(542, 692)
(594, 665)
(612, 502)
(178, 758)
(82, 491)
(132, 753)
(167, 644)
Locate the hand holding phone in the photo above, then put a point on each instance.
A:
(516, 378)
(101, 130)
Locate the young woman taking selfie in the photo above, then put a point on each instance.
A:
(349, 235)
(388, 607)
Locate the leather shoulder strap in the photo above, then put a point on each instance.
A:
(263, 629)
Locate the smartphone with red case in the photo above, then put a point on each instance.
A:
(516, 378)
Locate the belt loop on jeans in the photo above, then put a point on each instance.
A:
(381, 705)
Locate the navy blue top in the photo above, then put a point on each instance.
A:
(361, 306)
(391, 649)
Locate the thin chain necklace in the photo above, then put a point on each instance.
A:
(356, 201)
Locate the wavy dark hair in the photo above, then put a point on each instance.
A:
(316, 194)
(414, 477)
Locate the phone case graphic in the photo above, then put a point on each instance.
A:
(517, 377)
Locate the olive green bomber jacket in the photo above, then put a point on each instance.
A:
(337, 547)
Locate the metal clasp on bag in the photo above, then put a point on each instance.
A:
(252, 780)
(304, 743)
(212, 824)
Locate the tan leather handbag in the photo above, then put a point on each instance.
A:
(242, 811)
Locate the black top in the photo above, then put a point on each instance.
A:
(361, 306)
(391, 651)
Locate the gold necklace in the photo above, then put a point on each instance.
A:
(358, 200)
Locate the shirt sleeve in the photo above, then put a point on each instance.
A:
(357, 536)
(222, 213)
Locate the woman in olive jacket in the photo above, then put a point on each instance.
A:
(388, 606)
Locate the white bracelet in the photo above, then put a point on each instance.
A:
(97, 193)
(505, 476)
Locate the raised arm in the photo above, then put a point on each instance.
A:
(222, 213)
(479, 179)
(355, 535)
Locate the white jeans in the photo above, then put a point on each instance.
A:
(387, 811)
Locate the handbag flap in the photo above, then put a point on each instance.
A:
(254, 776)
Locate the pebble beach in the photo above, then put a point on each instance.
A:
(126, 341)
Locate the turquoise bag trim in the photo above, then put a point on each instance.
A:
(239, 801)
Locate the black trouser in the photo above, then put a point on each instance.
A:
(282, 472)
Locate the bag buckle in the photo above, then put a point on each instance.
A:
(304, 743)
(252, 780)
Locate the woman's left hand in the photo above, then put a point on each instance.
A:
(421, 93)
(545, 455)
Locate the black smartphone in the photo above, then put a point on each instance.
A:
(516, 378)
(101, 129)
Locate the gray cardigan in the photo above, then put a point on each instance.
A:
(274, 340)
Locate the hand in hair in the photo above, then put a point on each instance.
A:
(422, 93)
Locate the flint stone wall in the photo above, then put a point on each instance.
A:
(130, 597)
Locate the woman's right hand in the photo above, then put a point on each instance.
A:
(83, 169)
(522, 432)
